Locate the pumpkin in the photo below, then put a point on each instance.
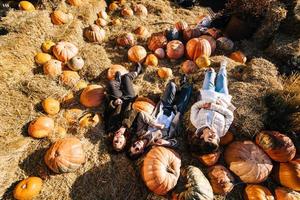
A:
(282, 193)
(92, 96)
(137, 54)
(221, 179)
(41, 127)
(191, 33)
(47, 46)
(238, 56)
(28, 188)
(52, 68)
(175, 49)
(58, 17)
(127, 12)
(113, 6)
(69, 78)
(26, 5)
(64, 51)
(73, 115)
(81, 84)
(227, 138)
(94, 33)
(67, 98)
(192, 185)
(65, 155)
(89, 120)
(101, 22)
(278, 146)
(75, 2)
(181, 25)
(103, 15)
(214, 32)
(209, 159)
(211, 40)
(142, 32)
(143, 104)
(225, 44)
(140, 10)
(172, 34)
(122, 2)
(159, 53)
(42, 58)
(76, 63)
(289, 174)
(257, 192)
(165, 72)
(115, 68)
(157, 40)
(61, 131)
(203, 61)
(197, 47)
(248, 161)
(126, 39)
(151, 60)
(116, 22)
(161, 169)
(189, 67)
(51, 106)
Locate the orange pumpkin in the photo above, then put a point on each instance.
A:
(94, 33)
(115, 68)
(227, 138)
(26, 5)
(209, 159)
(151, 60)
(127, 12)
(69, 78)
(257, 192)
(113, 6)
(220, 179)
(41, 127)
(248, 161)
(289, 174)
(165, 72)
(140, 10)
(42, 58)
(278, 146)
(64, 51)
(143, 104)
(101, 22)
(142, 32)
(211, 40)
(197, 47)
(28, 188)
(47, 46)
(282, 193)
(189, 67)
(51, 106)
(157, 40)
(238, 56)
(161, 170)
(137, 54)
(160, 53)
(92, 96)
(181, 25)
(175, 49)
(126, 39)
(191, 33)
(65, 155)
(58, 17)
(75, 2)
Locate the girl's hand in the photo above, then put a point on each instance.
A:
(206, 106)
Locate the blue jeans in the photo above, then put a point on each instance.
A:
(221, 85)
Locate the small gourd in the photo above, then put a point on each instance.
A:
(76, 63)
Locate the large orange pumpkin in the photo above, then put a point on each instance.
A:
(137, 54)
(197, 47)
(157, 40)
(92, 96)
(282, 193)
(221, 179)
(289, 174)
(144, 104)
(175, 49)
(209, 159)
(257, 192)
(211, 40)
(65, 155)
(115, 68)
(278, 146)
(41, 127)
(28, 188)
(64, 51)
(161, 170)
(248, 161)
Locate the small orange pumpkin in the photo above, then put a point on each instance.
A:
(157, 40)
(289, 174)
(89, 120)
(211, 40)
(142, 32)
(76, 63)
(28, 188)
(92, 96)
(257, 192)
(113, 6)
(42, 58)
(65, 155)
(137, 54)
(51, 106)
(282, 193)
(126, 39)
(143, 104)
(127, 12)
(47, 46)
(116, 22)
(64, 51)
(115, 68)
(175, 49)
(197, 47)
(26, 5)
(140, 10)
(189, 67)
(52, 68)
(75, 2)
(101, 22)
(209, 159)
(94, 33)
(58, 17)
(103, 15)
(181, 25)
(151, 60)
(69, 78)
(165, 72)
(161, 170)
(238, 56)
(41, 127)
(227, 138)
(160, 53)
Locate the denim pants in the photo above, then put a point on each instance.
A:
(221, 85)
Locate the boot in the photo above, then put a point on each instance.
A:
(138, 68)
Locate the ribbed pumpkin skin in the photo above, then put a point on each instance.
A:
(64, 51)
(282, 193)
(92, 96)
(211, 40)
(221, 180)
(278, 146)
(144, 104)
(248, 161)
(257, 192)
(289, 174)
(52, 68)
(113, 69)
(65, 155)
(157, 40)
(58, 17)
(137, 54)
(194, 186)
(94, 34)
(161, 170)
(197, 47)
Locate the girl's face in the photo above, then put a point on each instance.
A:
(137, 147)
(119, 142)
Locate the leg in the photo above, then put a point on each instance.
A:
(127, 85)
(169, 95)
(222, 83)
(209, 80)
(183, 97)
(114, 89)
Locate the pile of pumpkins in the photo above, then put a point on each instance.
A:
(249, 161)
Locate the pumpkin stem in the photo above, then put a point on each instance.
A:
(171, 170)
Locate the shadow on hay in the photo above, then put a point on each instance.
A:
(8, 195)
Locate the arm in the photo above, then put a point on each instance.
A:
(195, 111)
(227, 114)
(150, 120)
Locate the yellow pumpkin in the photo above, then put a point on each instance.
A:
(143, 104)
(257, 192)
(51, 106)
(52, 68)
(289, 174)
(165, 72)
(137, 54)
(92, 96)
(203, 61)
(113, 6)
(42, 58)
(81, 84)
(89, 120)
(151, 60)
(47, 46)
(28, 188)
(26, 5)
(41, 127)
(282, 193)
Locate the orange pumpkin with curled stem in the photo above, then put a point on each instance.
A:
(257, 192)
(137, 54)
(282, 193)
(28, 188)
(144, 104)
(92, 96)
(197, 47)
(115, 68)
